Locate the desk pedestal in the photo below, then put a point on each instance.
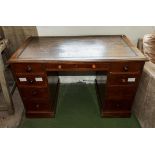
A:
(38, 84)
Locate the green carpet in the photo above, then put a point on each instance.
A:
(78, 108)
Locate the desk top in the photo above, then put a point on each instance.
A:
(77, 48)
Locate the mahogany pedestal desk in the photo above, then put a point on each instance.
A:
(112, 55)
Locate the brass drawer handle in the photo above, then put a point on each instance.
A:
(29, 69)
(126, 68)
(93, 66)
(59, 66)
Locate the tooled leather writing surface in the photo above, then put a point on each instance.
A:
(82, 48)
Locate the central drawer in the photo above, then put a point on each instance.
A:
(76, 66)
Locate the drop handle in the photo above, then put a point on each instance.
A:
(126, 68)
(93, 66)
(28, 69)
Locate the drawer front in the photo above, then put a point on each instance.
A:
(94, 66)
(27, 68)
(120, 92)
(114, 105)
(77, 66)
(31, 80)
(37, 105)
(123, 79)
(33, 92)
(126, 67)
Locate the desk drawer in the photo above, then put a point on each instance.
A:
(121, 92)
(126, 67)
(37, 105)
(27, 68)
(114, 105)
(31, 80)
(77, 66)
(30, 93)
(94, 66)
(123, 79)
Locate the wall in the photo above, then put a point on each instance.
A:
(133, 32)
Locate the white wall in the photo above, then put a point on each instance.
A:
(133, 32)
